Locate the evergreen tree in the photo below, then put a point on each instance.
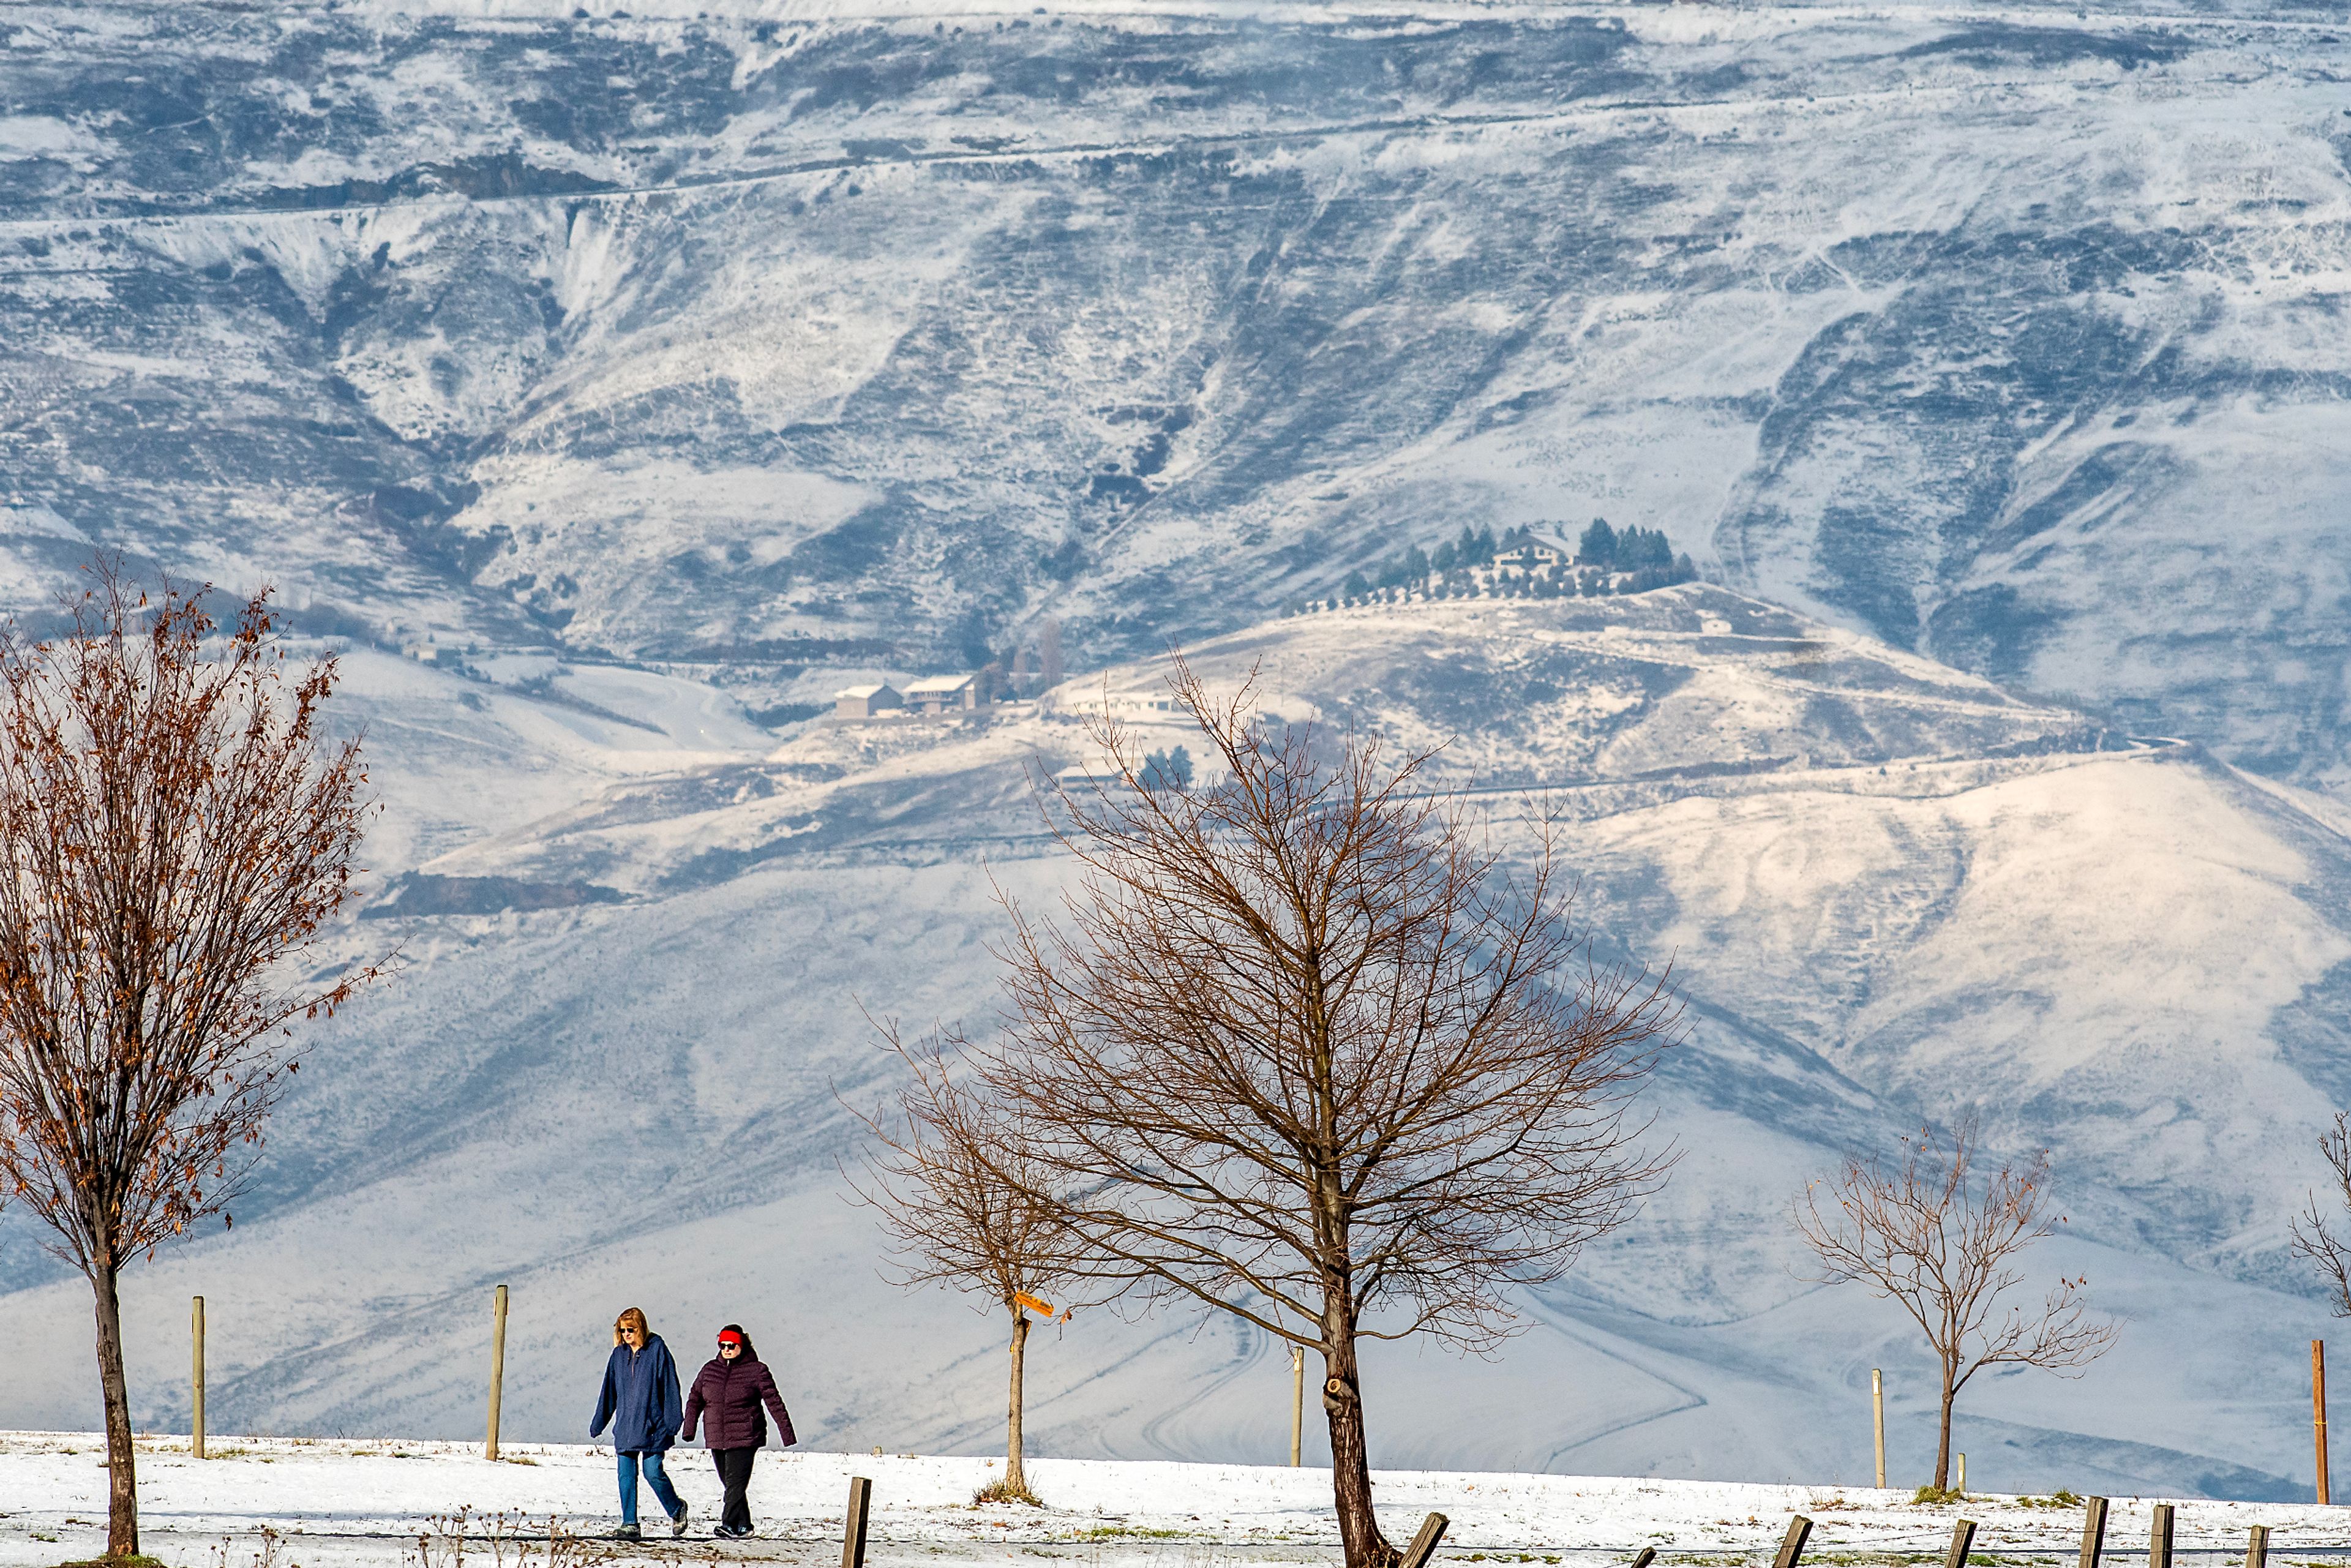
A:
(1643, 549)
(1354, 587)
(1168, 770)
(1598, 545)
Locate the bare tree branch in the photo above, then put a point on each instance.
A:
(2326, 1252)
(958, 1201)
(1303, 1048)
(176, 832)
(1920, 1233)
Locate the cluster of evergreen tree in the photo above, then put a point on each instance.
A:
(1643, 552)
(1168, 770)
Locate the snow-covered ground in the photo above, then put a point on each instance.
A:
(338, 1502)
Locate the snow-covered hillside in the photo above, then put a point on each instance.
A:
(615, 1080)
(679, 364)
(780, 335)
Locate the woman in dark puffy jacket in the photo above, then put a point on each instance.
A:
(732, 1387)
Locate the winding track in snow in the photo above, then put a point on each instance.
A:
(142, 214)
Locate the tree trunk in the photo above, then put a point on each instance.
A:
(122, 1478)
(1943, 1443)
(1013, 1475)
(1351, 1464)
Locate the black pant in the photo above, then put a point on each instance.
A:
(735, 1475)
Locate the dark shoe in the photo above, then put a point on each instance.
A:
(627, 1533)
(677, 1519)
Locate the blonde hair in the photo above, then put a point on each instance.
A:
(631, 1316)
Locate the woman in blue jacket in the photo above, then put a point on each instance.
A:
(639, 1399)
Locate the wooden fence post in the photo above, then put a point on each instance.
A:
(2318, 1412)
(498, 1365)
(1963, 1475)
(1424, 1543)
(1878, 1416)
(2158, 1538)
(1297, 1402)
(852, 1534)
(2094, 1530)
(1792, 1548)
(1649, 1555)
(1963, 1538)
(2257, 1549)
(196, 1374)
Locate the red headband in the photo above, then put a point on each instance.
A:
(728, 1336)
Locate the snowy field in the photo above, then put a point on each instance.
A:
(338, 1502)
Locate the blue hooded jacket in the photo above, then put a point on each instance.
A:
(639, 1399)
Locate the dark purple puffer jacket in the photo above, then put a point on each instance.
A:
(732, 1394)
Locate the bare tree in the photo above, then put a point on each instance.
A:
(933, 1176)
(175, 832)
(1922, 1233)
(1300, 1050)
(2328, 1253)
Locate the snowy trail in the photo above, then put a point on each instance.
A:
(340, 1501)
(1913, 95)
(366, 1500)
(1274, 11)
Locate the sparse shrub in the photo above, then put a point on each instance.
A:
(508, 1540)
(1003, 1491)
(264, 1556)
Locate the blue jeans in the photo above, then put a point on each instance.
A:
(654, 1478)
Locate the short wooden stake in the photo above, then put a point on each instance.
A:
(1423, 1543)
(2257, 1550)
(1297, 1402)
(1877, 1411)
(1963, 1538)
(2094, 1530)
(196, 1376)
(852, 1534)
(2318, 1412)
(1963, 1475)
(2158, 1538)
(1649, 1555)
(1791, 1547)
(497, 1365)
